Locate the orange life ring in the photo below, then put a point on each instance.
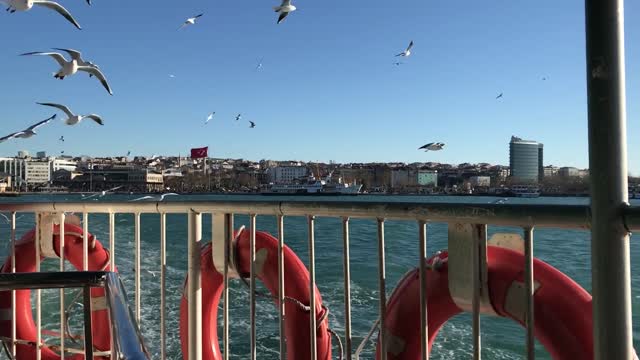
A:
(296, 287)
(563, 320)
(98, 259)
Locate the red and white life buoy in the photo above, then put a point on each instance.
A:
(296, 286)
(563, 320)
(98, 258)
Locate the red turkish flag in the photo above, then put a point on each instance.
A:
(199, 153)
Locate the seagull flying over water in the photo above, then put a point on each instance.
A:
(100, 194)
(190, 21)
(284, 9)
(155, 197)
(407, 51)
(252, 124)
(499, 96)
(26, 5)
(28, 132)
(432, 146)
(73, 119)
(238, 117)
(71, 67)
(209, 118)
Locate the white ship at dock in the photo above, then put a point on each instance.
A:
(314, 186)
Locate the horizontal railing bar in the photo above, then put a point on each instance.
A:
(52, 280)
(569, 216)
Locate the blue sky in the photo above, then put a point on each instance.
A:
(328, 89)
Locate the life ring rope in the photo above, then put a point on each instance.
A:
(305, 308)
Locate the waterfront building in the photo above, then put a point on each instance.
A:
(525, 160)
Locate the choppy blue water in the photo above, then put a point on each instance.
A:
(567, 250)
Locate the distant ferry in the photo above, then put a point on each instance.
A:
(525, 191)
(314, 186)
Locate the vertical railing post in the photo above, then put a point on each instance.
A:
(138, 294)
(611, 280)
(38, 291)
(88, 335)
(529, 319)
(252, 283)
(346, 266)
(163, 282)
(312, 287)
(13, 292)
(424, 327)
(228, 244)
(63, 319)
(194, 294)
(281, 290)
(382, 276)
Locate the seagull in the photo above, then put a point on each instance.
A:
(155, 197)
(190, 21)
(544, 78)
(72, 118)
(209, 118)
(152, 273)
(71, 67)
(61, 138)
(238, 117)
(432, 146)
(284, 9)
(252, 124)
(26, 5)
(499, 96)
(398, 63)
(6, 218)
(259, 66)
(407, 52)
(172, 76)
(77, 56)
(100, 194)
(28, 132)
(128, 152)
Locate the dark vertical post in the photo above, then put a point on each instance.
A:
(608, 171)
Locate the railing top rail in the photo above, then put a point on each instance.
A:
(51, 280)
(568, 216)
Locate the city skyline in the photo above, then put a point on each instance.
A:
(340, 97)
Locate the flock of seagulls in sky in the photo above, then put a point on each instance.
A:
(26, 5)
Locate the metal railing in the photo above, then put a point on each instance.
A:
(127, 340)
(467, 235)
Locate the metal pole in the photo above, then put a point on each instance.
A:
(62, 307)
(312, 288)
(13, 292)
(88, 335)
(383, 292)
(112, 241)
(346, 265)
(138, 295)
(529, 318)
(85, 241)
(228, 243)
(194, 294)
(611, 278)
(163, 282)
(424, 327)
(38, 291)
(475, 304)
(281, 290)
(252, 280)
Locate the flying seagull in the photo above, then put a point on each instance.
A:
(77, 56)
(73, 119)
(398, 63)
(499, 96)
(209, 118)
(100, 194)
(26, 5)
(6, 218)
(259, 66)
(28, 132)
(284, 9)
(238, 117)
(432, 146)
(155, 197)
(61, 138)
(172, 76)
(71, 67)
(407, 52)
(190, 21)
(252, 124)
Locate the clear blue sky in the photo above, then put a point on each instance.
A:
(328, 89)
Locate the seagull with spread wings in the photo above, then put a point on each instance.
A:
(155, 197)
(28, 132)
(26, 5)
(407, 51)
(434, 146)
(284, 9)
(190, 21)
(71, 67)
(73, 119)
